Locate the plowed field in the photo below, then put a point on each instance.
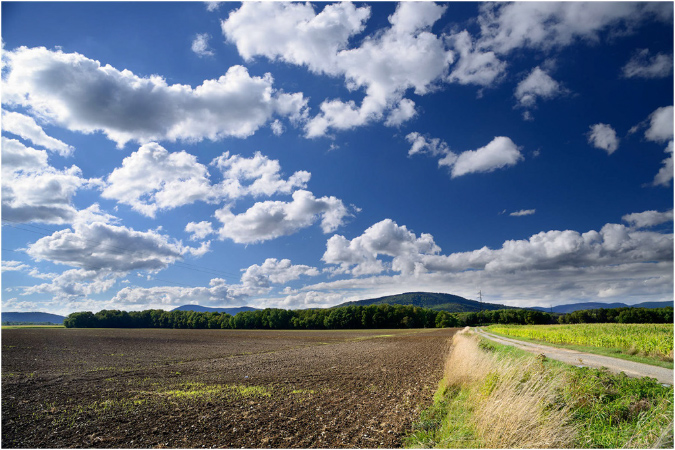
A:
(216, 388)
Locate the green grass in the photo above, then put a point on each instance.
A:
(611, 410)
(446, 423)
(606, 410)
(15, 327)
(614, 411)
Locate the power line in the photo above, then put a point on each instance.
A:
(28, 224)
(174, 282)
(206, 269)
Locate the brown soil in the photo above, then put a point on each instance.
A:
(216, 388)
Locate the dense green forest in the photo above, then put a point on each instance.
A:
(529, 317)
(354, 317)
(619, 315)
(380, 316)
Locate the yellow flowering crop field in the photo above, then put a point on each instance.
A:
(647, 339)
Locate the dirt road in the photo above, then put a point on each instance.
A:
(615, 365)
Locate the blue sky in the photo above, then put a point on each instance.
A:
(302, 155)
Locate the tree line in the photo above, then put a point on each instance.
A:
(355, 317)
(533, 317)
(620, 315)
(372, 316)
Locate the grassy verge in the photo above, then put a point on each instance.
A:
(496, 396)
(14, 327)
(613, 352)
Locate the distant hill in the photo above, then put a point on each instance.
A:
(436, 301)
(198, 308)
(32, 317)
(565, 309)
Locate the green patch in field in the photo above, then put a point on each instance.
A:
(201, 390)
(302, 395)
(363, 338)
(303, 391)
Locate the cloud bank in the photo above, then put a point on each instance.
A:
(82, 95)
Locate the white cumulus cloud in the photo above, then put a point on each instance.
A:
(405, 56)
(537, 85)
(523, 212)
(474, 66)
(648, 219)
(360, 255)
(660, 125)
(10, 266)
(200, 45)
(27, 128)
(153, 179)
(274, 271)
(499, 153)
(641, 65)
(566, 262)
(424, 144)
(83, 95)
(604, 137)
(255, 280)
(271, 219)
(16, 157)
(661, 130)
(34, 191)
(100, 246)
(548, 25)
(256, 176)
(294, 33)
(76, 283)
(199, 230)
(613, 244)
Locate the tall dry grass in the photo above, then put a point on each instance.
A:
(516, 402)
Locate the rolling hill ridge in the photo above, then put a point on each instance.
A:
(232, 311)
(32, 317)
(435, 301)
